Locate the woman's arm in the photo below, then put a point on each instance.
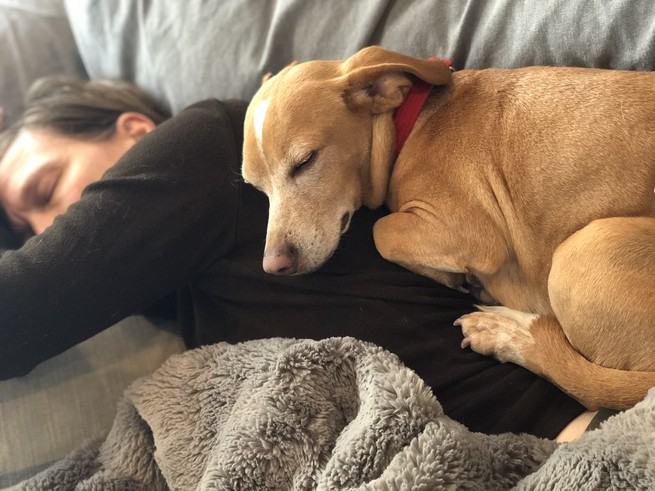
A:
(155, 221)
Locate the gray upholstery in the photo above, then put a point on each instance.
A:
(35, 40)
(222, 49)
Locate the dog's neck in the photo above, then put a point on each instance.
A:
(379, 170)
(389, 136)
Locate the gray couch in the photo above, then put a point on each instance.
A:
(183, 52)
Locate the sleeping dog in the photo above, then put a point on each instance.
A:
(533, 186)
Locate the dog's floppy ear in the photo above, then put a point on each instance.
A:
(375, 77)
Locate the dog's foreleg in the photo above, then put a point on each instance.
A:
(418, 241)
(397, 240)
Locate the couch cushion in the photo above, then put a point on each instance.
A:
(222, 49)
(72, 397)
(35, 40)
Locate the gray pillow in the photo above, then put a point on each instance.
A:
(617, 34)
(181, 52)
(35, 41)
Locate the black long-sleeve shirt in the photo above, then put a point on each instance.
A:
(173, 216)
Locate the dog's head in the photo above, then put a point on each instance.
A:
(309, 139)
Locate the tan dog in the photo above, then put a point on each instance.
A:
(536, 182)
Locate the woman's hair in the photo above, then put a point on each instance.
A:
(79, 108)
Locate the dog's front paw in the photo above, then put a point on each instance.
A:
(499, 332)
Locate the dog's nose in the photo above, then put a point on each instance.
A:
(281, 261)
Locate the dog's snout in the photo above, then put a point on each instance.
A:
(281, 261)
(345, 222)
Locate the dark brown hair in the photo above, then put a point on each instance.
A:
(86, 109)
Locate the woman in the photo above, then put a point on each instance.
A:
(126, 215)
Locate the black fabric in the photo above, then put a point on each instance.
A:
(173, 215)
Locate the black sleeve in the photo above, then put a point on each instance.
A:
(154, 222)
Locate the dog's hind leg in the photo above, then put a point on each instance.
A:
(601, 288)
(600, 347)
(538, 343)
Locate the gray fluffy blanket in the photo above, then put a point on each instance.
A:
(335, 414)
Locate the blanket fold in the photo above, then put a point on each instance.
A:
(336, 414)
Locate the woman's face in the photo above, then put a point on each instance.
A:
(43, 173)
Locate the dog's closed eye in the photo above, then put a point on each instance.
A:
(304, 164)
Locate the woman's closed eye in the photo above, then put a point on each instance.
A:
(41, 188)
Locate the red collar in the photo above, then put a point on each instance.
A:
(407, 113)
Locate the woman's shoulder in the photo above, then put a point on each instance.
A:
(216, 110)
(210, 126)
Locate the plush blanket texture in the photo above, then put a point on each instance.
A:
(335, 414)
